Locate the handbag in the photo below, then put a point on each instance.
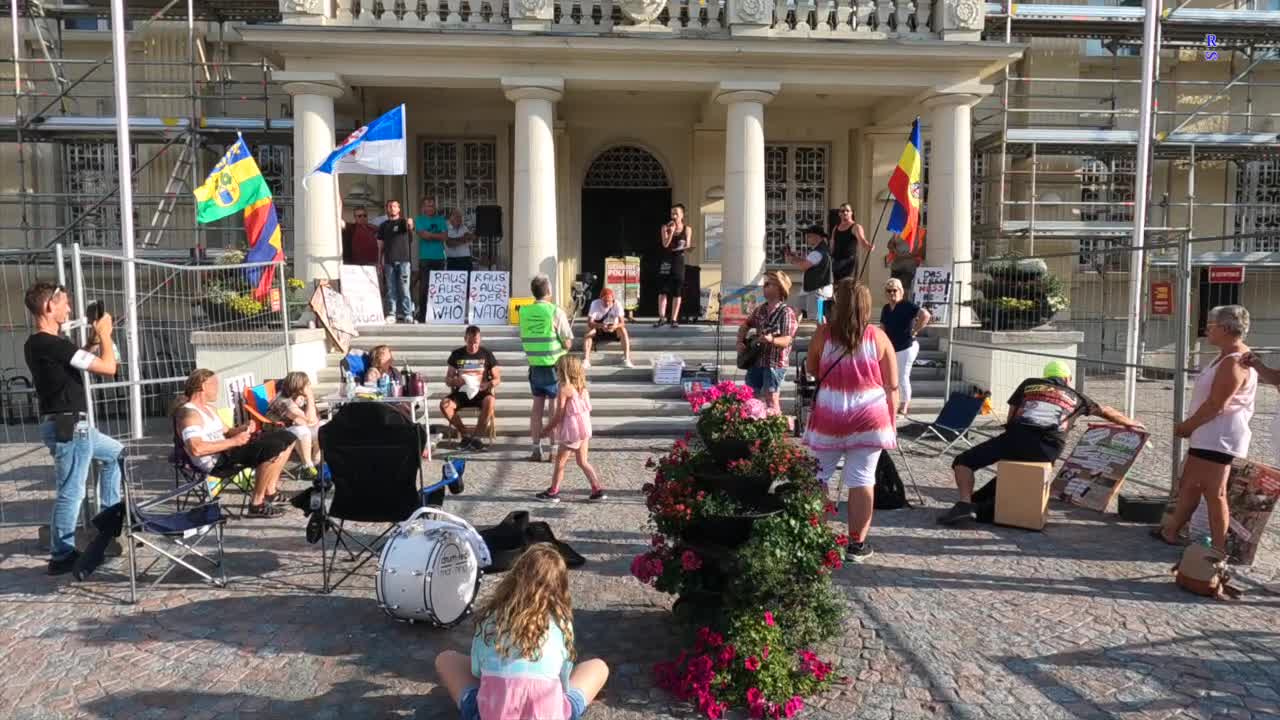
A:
(748, 357)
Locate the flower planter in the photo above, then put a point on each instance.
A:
(728, 531)
(728, 450)
(750, 490)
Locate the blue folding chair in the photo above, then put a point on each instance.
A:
(954, 423)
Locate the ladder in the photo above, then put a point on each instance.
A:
(164, 211)
(36, 12)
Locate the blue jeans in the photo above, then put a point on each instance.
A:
(543, 382)
(399, 298)
(765, 380)
(71, 471)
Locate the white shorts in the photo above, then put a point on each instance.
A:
(859, 466)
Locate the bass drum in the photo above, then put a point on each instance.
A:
(428, 572)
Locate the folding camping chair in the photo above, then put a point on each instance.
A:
(199, 487)
(172, 536)
(373, 453)
(806, 391)
(954, 423)
(356, 362)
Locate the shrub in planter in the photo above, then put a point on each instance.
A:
(1017, 293)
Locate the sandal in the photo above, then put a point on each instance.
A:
(1157, 532)
(265, 510)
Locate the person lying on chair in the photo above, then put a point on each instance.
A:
(222, 452)
(1041, 412)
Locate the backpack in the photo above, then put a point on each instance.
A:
(890, 493)
(1203, 571)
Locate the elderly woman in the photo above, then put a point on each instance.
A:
(902, 320)
(1218, 427)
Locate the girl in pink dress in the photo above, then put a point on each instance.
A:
(853, 412)
(570, 427)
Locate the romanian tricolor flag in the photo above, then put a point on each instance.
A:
(906, 188)
(237, 184)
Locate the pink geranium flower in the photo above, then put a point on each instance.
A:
(690, 561)
(751, 663)
(768, 618)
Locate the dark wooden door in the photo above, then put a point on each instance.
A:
(625, 222)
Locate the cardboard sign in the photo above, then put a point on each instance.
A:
(737, 305)
(489, 296)
(1226, 274)
(933, 293)
(360, 288)
(1252, 491)
(1092, 474)
(447, 297)
(334, 315)
(631, 298)
(1162, 298)
(615, 278)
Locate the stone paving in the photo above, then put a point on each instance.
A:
(1080, 621)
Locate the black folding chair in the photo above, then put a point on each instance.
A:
(374, 456)
(954, 423)
(806, 391)
(199, 487)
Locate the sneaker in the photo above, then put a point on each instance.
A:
(858, 552)
(265, 510)
(64, 565)
(310, 474)
(958, 512)
(674, 325)
(477, 444)
(597, 495)
(548, 496)
(626, 363)
(660, 323)
(391, 319)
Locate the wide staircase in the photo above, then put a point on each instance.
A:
(625, 401)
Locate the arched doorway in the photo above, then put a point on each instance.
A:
(626, 197)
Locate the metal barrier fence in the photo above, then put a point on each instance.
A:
(1014, 314)
(155, 333)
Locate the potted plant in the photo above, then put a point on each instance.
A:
(228, 298)
(1017, 293)
(735, 427)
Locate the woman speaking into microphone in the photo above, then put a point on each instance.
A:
(677, 238)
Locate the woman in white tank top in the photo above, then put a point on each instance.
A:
(1222, 406)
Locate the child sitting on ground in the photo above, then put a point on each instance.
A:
(571, 428)
(295, 407)
(521, 662)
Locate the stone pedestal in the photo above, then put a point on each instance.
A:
(1000, 361)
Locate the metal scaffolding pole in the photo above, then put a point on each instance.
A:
(1182, 342)
(1142, 182)
(119, 55)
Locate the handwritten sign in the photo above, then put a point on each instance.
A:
(615, 278)
(447, 297)
(334, 315)
(738, 304)
(360, 288)
(1092, 475)
(933, 292)
(1252, 492)
(488, 297)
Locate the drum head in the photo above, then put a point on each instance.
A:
(451, 585)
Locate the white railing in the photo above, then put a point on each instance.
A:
(692, 18)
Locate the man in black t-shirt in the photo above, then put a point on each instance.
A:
(1041, 412)
(56, 366)
(395, 242)
(473, 376)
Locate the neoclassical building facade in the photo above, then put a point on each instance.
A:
(585, 120)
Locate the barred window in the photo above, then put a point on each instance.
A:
(978, 198)
(462, 174)
(626, 167)
(1106, 195)
(795, 187)
(1257, 212)
(90, 170)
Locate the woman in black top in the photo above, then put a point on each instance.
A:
(846, 239)
(677, 238)
(902, 320)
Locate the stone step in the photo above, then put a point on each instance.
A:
(643, 358)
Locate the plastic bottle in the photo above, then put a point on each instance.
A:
(384, 385)
(450, 472)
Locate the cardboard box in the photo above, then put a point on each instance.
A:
(1022, 493)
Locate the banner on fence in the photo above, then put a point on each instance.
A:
(447, 297)
(1092, 474)
(933, 293)
(489, 295)
(360, 288)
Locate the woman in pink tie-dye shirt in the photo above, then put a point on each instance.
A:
(521, 663)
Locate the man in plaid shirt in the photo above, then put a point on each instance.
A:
(775, 324)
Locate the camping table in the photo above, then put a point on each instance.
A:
(417, 407)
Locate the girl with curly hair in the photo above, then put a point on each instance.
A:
(521, 661)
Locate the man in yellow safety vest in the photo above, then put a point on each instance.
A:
(545, 335)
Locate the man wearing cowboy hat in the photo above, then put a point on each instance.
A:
(817, 267)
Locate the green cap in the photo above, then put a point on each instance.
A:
(1057, 369)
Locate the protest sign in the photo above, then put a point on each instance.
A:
(631, 298)
(737, 304)
(1252, 491)
(933, 292)
(615, 278)
(334, 315)
(488, 297)
(1092, 474)
(447, 297)
(360, 288)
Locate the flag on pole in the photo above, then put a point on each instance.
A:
(234, 184)
(237, 184)
(906, 188)
(376, 149)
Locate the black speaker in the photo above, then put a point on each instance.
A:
(691, 298)
(833, 219)
(489, 220)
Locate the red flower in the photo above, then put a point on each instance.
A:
(657, 540)
(751, 663)
(813, 520)
(768, 618)
(832, 560)
(831, 508)
(793, 706)
(727, 653)
(842, 540)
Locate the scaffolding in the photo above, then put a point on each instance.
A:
(58, 128)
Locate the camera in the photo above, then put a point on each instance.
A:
(94, 311)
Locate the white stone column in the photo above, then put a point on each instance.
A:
(317, 240)
(534, 242)
(950, 195)
(744, 211)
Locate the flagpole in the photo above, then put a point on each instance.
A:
(862, 271)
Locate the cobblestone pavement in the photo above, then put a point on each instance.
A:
(1080, 621)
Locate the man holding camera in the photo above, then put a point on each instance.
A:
(56, 365)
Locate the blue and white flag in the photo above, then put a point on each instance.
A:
(375, 149)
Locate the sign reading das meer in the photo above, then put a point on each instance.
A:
(447, 297)
(933, 292)
(1162, 298)
(1226, 274)
(489, 295)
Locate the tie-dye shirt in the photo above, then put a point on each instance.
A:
(520, 688)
